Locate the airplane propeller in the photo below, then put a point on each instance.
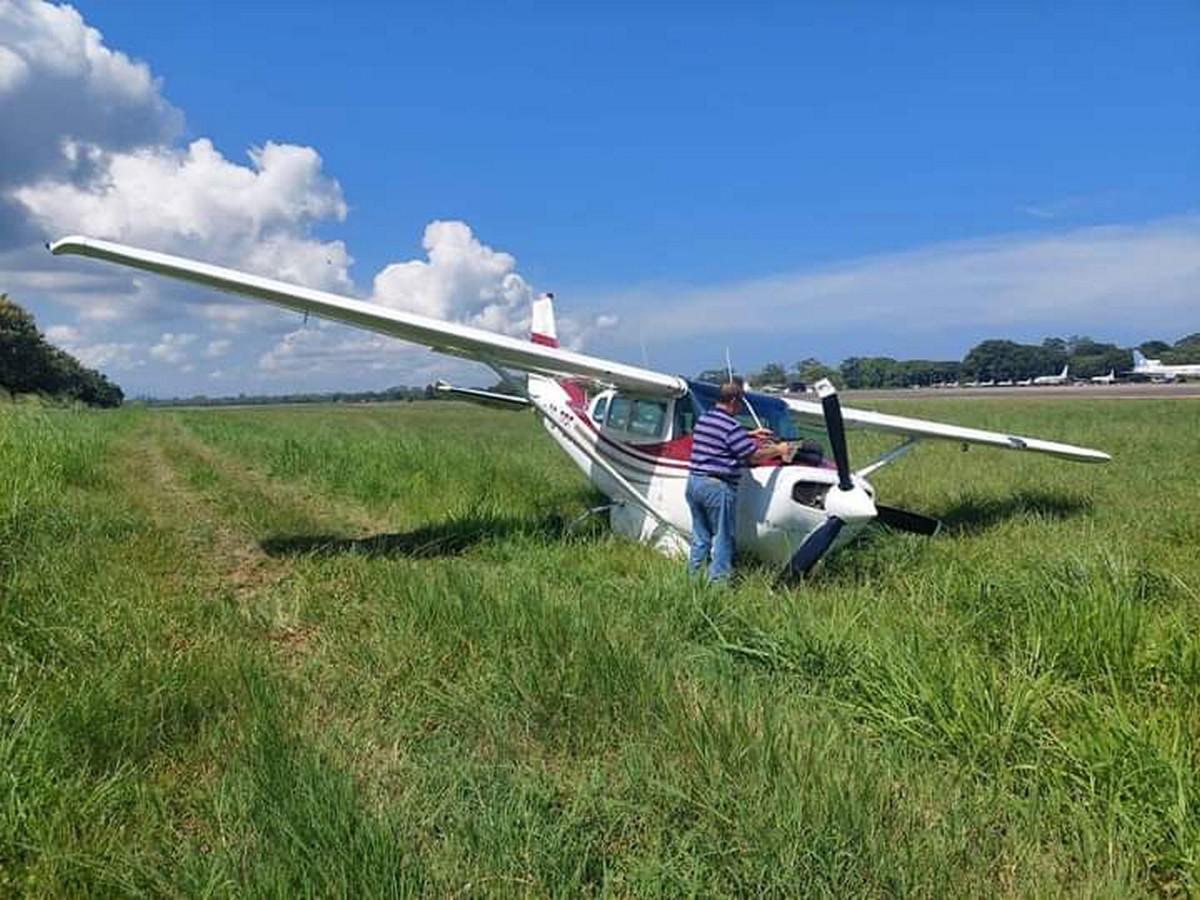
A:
(906, 520)
(848, 502)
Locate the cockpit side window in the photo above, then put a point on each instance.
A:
(685, 417)
(618, 413)
(648, 418)
(600, 408)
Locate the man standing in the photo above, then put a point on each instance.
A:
(721, 448)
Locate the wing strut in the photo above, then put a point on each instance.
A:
(641, 501)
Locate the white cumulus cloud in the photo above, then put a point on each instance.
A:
(194, 200)
(218, 348)
(172, 348)
(461, 279)
(60, 83)
(464, 280)
(97, 153)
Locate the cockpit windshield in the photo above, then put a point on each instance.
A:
(772, 412)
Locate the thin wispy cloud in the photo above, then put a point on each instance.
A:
(1141, 278)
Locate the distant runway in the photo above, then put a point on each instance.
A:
(1129, 391)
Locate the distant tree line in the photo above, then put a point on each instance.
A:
(1183, 351)
(29, 364)
(999, 360)
(389, 395)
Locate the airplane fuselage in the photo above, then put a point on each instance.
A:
(778, 506)
(1154, 369)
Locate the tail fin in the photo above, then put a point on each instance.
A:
(1138, 360)
(1064, 371)
(543, 330)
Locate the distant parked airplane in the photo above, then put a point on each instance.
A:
(1104, 379)
(1153, 368)
(1060, 378)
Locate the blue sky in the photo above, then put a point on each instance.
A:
(800, 177)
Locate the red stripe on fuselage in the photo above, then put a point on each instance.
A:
(674, 454)
(544, 339)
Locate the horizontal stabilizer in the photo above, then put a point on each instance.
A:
(476, 395)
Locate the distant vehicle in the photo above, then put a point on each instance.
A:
(630, 429)
(1104, 379)
(1025, 382)
(1156, 371)
(1007, 382)
(991, 382)
(1060, 378)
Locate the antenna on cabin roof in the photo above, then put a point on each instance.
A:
(745, 399)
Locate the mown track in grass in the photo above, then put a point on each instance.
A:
(355, 651)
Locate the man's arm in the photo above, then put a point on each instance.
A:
(745, 448)
(782, 450)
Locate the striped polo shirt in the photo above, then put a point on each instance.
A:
(720, 446)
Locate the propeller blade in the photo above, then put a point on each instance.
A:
(904, 520)
(814, 547)
(836, 428)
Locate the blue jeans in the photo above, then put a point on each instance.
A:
(713, 503)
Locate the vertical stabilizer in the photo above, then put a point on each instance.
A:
(543, 330)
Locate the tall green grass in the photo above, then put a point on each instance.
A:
(358, 651)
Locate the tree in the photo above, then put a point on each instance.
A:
(1055, 345)
(812, 370)
(1186, 350)
(772, 373)
(1007, 360)
(29, 364)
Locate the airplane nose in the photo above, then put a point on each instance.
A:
(854, 505)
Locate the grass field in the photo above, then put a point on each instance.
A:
(337, 651)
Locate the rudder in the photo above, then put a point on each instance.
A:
(543, 330)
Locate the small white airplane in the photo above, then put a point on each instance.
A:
(1104, 379)
(1154, 369)
(1025, 382)
(1060, 378)
(629, 428)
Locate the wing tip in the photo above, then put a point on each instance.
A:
(71, 243)
(1084, 454)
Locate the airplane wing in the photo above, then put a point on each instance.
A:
(443, 337)
(923, 428)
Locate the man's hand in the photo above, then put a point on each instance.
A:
(773, 450)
